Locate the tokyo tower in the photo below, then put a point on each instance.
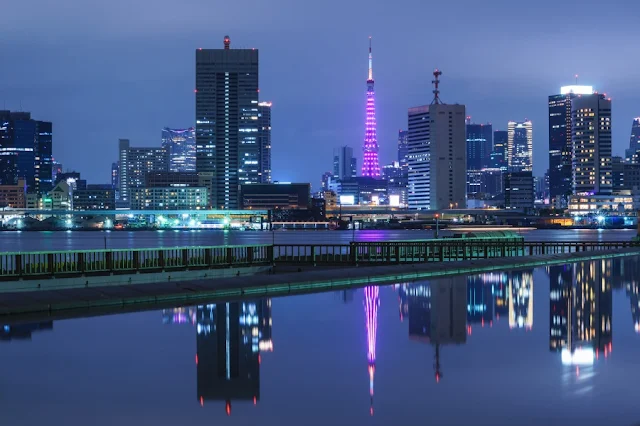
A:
(370, 163)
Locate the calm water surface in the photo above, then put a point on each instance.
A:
(552, 346)
(48, 240)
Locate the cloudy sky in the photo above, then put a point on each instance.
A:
(125, 68)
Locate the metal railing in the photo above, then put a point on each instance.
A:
(129, 261)
(60, 264)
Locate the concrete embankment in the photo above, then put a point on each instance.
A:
(63, 303)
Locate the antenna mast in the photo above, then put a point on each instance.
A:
(436, 82)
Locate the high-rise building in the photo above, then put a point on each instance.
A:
(520, 146)
(26, 151)
(370, 162)
(437, 155)
(499, 154)
(135, 164)
(560, 146)
(264, 142)
(591, 141)
(631, 154)
(344, 163)
(180, 145)
(403, 148)
(479, 145)
(227, 149)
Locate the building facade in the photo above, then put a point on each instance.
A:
(14, 196)
(264, 142)
(168, 198)
(135, 164)
(437, 157)
(560, 145)
(276, 196)
(519, 192)
(498, 158)
(403, 147)
(226, 97)
(631, 154)
(520, 146)
(180, 145)
(95, 197)
(26, 151)
(344, 163)
(591, 142)
(479, 145)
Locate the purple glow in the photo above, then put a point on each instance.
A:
(371, 303)
(370, 163)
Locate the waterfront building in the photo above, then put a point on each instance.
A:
(437, 155)
(520, 146)
(519, 190)
(344, 163)
(227, 122)
(14, 196)
(271, 196)
(26, 151)
(168, 198)
(560, 142)
(370, 162)
(180, 145)
(362, 190)
(591, 142)
(95, 197)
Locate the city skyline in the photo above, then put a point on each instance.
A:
(491, 94)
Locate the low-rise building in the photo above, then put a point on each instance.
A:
(14, 196)
(519, 190)
(277, 195)
(621, 203)
(168, 198)
(95, 197)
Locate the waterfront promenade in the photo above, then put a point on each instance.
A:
(119, 298)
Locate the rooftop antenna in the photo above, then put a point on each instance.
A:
(436, 93)
(576, 79)
(227, 42)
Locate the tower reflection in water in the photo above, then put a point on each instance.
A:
(437, 313)
(580, 310)
(371, 303)
(230, 338)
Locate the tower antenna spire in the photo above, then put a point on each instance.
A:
(576, 79)
(370, 62)
(436, 82)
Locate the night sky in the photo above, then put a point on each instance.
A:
(124, 69)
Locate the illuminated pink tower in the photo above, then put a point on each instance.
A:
(371, 303)
(370, 163)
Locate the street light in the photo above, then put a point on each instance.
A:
(437, 224)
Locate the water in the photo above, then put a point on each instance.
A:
(363, 356)
(48, 240)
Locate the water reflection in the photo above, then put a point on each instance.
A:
(445, 319)
(229, 339)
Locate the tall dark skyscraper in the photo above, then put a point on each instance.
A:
(499, 153)
(344, 163)
(227, 151)
(479, 145)
(264, 142)
(180, 145)
(560, 146)
(26, 151)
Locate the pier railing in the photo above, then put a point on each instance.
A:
(61, 264)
